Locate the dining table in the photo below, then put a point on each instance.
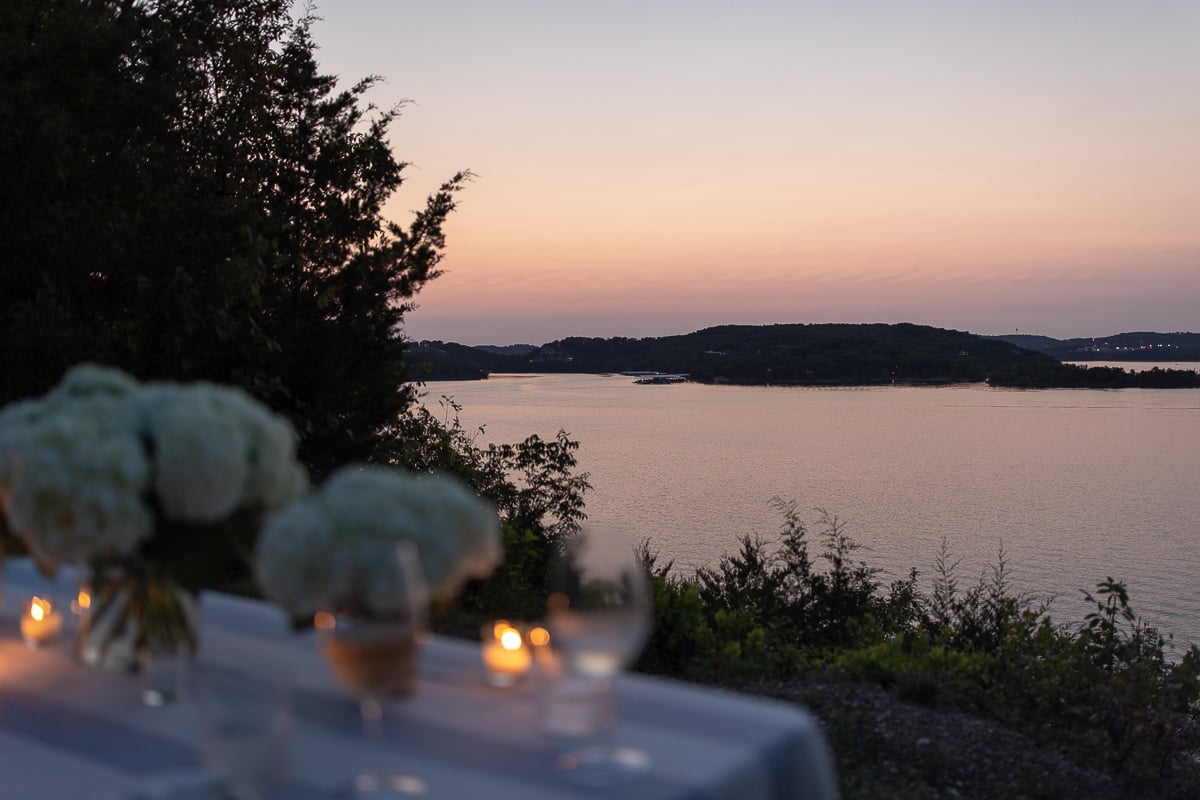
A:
(69, 731)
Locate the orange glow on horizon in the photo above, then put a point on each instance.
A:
(954, 166)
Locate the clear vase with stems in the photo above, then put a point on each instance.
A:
(137, 619)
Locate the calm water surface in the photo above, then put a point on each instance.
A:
(1076, 485)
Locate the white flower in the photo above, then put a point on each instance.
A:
(76, 492)
(217, 449)
(91, 380)
(200, 466)
(274, 477)
(83, 469)
(293, 560)
(459, 536)
(333, 549)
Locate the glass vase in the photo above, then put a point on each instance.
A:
(140, 623)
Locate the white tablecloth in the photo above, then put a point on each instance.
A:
(68, 731)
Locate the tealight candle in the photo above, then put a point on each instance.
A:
(506, 658)
(40, 624)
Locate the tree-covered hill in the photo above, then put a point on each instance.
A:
(803, 354)
(1131, 346)
(798, 354)
(838, 354)
(449, 361)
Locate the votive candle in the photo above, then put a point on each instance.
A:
(506, 656)
(41, 623)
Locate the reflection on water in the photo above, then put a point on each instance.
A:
(1076, 485)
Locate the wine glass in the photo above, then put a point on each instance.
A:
(246, 727)
(599, 619)
(374, 655)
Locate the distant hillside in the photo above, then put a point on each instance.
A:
(1043, 344)
(829, 354)
(825, 354)
(1134, 346)
(507, 350)
(448, 361)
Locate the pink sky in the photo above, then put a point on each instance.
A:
(655, 168)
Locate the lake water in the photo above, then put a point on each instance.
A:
(1076, 485)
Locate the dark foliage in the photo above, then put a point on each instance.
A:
(1040, 375)
(187, 197)
(447, 361)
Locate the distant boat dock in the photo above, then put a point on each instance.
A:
(645, 377)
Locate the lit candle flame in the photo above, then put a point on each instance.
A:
(510, 639)
(38, 608)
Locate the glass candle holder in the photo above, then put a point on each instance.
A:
(505, 652)
(41, 623)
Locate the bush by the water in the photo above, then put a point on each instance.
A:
(1106, 689)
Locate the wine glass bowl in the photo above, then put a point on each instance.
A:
(599, 617)
(598, 611)
(373, 658)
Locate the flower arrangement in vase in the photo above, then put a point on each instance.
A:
(155, 489)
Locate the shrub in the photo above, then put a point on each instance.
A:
(1103, 688)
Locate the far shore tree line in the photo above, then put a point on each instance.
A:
(826, 354)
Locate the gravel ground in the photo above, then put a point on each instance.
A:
(888, 748)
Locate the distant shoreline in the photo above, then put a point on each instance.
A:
(835, 355)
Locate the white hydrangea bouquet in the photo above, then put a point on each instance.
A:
(328, 551)
(151, 488)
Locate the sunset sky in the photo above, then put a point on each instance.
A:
(651, 168)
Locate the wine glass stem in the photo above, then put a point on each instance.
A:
(606, 722)
(374, 779)
(372, 718)
(370, 776)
